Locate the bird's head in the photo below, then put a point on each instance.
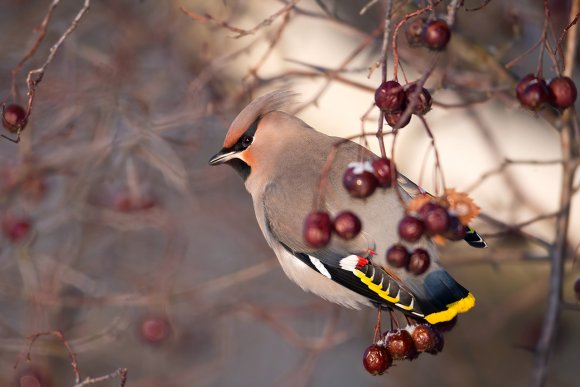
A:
(248, 135)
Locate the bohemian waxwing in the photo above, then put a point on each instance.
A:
(280, 159)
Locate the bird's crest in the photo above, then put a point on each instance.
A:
(270, 102)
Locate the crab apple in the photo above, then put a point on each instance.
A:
(524, 82)
(390, 96)
(456, 230)
(398, 256)
(414, 33)
(15, 228)
(532, 92)
(394, 118)
(419, 261)
(359, 180)
(435, 217)
(317, 229)
(154, 329)
(377, 359)
(400, 345)
(425, 338)
(436, 34)
(563, 92)
(411, 229)
(439, 342)
(383, 171)
(347, 225)
(14, 118)
(423, 100)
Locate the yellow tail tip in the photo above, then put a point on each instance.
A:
(459, 306)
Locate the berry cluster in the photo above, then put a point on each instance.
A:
(535, 94)
(402, 344)
(416, 262)
(319, 226)
(434, 34)
(392, 98)
(14, 118)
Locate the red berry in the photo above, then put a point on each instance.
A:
(377, 360)
(347, 225)
(15, 228)
(411, 229)
(577, 288)
(425, 338)
(14, 118)
(414, 33)
(533, 93)
(398, 256)
(394, 118)
(435, 217)
(317, 229)
(423, 99)
(419, 261)
(436, 34)
(155, 329)
(456, 230)
(563, 92)
(383, 171)
(359, 180)
(390, 96)
(439, 343)
(400, 345)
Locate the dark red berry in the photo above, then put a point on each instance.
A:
(445, 326)
(155, 329)
(435, 217)
(577, 288)
(347, 225)
(390, 96)
(382, 170)
(400, 345)
(411, 229)
(394, 118)
(377, 360)
(317, 229)
(414, 33)
(15, 228)
(422, 101)
(425, 338)
(359, 180)
(525, 82)
(456, 230)
(14, 118)
(439, 343)
(535, 95)
(563, 92)
(436, 34)
(398, 256)
(419, 261)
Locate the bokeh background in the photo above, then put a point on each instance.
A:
(148, 259)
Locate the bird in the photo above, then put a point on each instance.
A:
(280, 158)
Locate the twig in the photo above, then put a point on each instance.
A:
(121, 373)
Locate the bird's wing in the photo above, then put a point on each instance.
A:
(471, 236)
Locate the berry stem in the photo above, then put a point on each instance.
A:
(377, 325)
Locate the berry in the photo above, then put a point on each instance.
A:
(577, 288)
(400, 345)
(419, 261)
(439, 343)
(563, 92)
(15, 228)
(382, 171)
(425, 338)
(435, 218)
(398, 256)
(390, 96)
(317, 228)
(359, 180)
(436, 34)
(154, 329)
(377, 360)
(414, 32)
(347, 225)
(411, 229)
(456, 230)
(14, 118)
(423, 99)
(533, 93)
(394, 118)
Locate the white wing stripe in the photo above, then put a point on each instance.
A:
(319, 266)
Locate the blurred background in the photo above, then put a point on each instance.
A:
(148, 259)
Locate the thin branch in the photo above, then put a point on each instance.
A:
(121, 373)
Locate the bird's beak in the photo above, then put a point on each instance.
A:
(222, 156)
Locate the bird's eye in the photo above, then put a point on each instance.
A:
(247, 141)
